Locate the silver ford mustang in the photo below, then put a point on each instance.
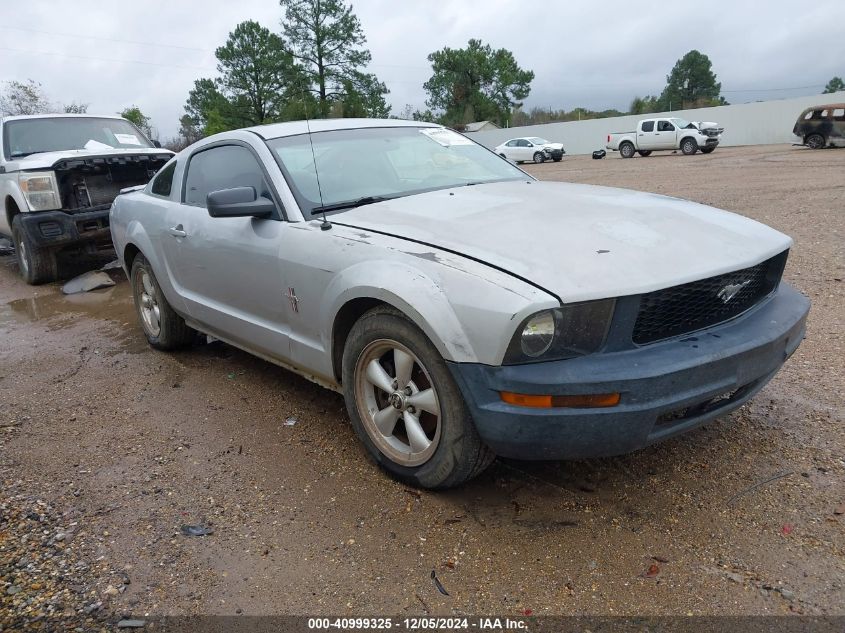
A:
(463, 309)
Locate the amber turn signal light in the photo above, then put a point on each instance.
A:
(592, 400)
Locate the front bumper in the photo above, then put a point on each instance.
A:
(666, 388)
(59, 229)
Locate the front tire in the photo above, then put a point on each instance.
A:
(539, 157)
(36, 265)
(627, 150)
(689, 146)
(164, 329)
(405, 406)
(815, 141)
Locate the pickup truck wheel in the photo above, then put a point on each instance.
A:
(164, 329)
(707, 150)
(405, 407)
(557, 159)
(815, 141)
(539, 157)
(36, 265)
(627, 150)
(689, 146)
(644, 152)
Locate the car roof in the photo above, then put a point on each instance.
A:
(826, 106)
(61, 115)
(294, 128)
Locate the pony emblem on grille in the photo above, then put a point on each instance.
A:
(731, 290)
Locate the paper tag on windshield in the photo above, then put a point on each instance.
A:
(445, 137)
(127, 139)
(95, 145)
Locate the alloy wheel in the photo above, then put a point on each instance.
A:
(398, 402)
(148, 303)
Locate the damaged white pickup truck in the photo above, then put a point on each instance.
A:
(59, 174)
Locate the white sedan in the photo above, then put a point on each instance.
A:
(530, 148)
(463, 309)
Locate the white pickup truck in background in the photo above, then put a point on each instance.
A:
(671, 133)
(59, 174)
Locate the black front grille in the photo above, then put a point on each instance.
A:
(700, 304)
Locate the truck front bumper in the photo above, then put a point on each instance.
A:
(666, 388)
(59, 229)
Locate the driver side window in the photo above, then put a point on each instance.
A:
(222, 167)
(523, 143)
(665, 126)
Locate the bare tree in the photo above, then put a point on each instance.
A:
(23, 97)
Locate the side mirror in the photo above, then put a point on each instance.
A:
(239, 202)
(157, 144)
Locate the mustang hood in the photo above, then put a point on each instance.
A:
(578, 242)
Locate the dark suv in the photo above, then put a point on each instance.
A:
(822, 126)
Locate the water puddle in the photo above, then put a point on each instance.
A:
(56, 311)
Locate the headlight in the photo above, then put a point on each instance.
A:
(566, 332)
(40, 190)
(538, 333)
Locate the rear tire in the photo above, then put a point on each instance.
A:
(627, 150)
(164, 329)
(689, 146)
(36, 265)
(436, 447)
(539, 157)
(644, 152)
(815, 141)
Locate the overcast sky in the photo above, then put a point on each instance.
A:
(598, 54)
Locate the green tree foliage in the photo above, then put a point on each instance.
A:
(537, 116)
(141, 121)
(691, 84)
(644, 105)
(834, 85)
(326, 37)
(257, 75)
(259, 82)
(23, 97)
(363, 97)
(475, 83)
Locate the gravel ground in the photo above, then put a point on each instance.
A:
(107, 448)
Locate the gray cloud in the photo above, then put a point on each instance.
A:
(597, 55)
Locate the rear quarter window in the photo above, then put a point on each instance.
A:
(163, 181)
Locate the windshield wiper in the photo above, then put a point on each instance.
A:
(349, 204)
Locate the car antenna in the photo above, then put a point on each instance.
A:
(326, 225)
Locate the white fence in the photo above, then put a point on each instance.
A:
(761, 123)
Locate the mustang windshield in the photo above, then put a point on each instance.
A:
(34, 136)
(375, 163)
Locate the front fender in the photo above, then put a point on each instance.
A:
(409, 290)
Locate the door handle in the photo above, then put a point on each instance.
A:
(177, 231)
